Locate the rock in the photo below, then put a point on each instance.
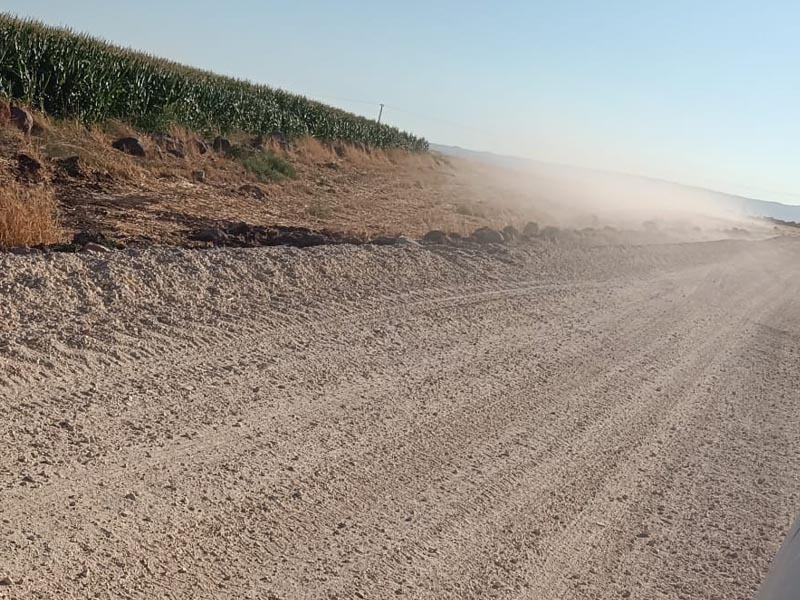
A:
(130, 496)
(241, 229)
(93, 247)
(550, 233)
(130, 145)
(222, 145)
(22, 119)
(253, 190)
(199, 176)
(436, 236)
(486, 235)
(510, 233)
(6, 581)
(29, 169)
(70, 165)
(530, 230)
(21, 250)
(212, 234)
(172, 145)
(85, 237)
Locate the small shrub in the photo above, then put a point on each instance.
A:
(27, 216)
(267, 165)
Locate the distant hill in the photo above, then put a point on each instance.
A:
(622, 183)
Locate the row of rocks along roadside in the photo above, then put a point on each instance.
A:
(243, 235)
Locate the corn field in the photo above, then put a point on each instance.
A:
(69, 75)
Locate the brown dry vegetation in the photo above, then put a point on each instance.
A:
(27, 216)
(348, 189)
(340, 187)
(28, 213)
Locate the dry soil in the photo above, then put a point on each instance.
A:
(359, 422)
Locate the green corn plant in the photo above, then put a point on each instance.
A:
(73, 75)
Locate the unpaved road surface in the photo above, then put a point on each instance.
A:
(541, 422)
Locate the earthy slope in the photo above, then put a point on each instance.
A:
(161, 198)
(348, 422)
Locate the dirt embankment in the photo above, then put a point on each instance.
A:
(366, 422)
(179, 185)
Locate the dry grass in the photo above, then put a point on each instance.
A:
(337, 186)
(28, 216)
(62, 139)
(311, 151)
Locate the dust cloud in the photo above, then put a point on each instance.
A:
(583, 199)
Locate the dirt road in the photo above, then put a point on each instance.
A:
(346, 422)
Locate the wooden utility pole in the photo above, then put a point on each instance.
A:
(380, 114)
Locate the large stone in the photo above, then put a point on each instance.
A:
(29, 169)
(212, 234)
(531, 229)
(82, 238)
(436, 236)
(510, 233)
(486, 235)
(130, 145)
(172, 145)
(22, 119)
(70, 165)
(222, 145)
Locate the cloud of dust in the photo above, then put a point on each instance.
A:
(583, 198)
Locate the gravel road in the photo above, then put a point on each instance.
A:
(359, 422)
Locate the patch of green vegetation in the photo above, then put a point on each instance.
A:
(267, 165)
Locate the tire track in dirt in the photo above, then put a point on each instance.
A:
(450, 441)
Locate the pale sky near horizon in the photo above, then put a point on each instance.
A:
(700, 92)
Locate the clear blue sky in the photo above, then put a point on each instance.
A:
(701, 92)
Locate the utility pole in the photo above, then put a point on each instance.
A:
(380, 114)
